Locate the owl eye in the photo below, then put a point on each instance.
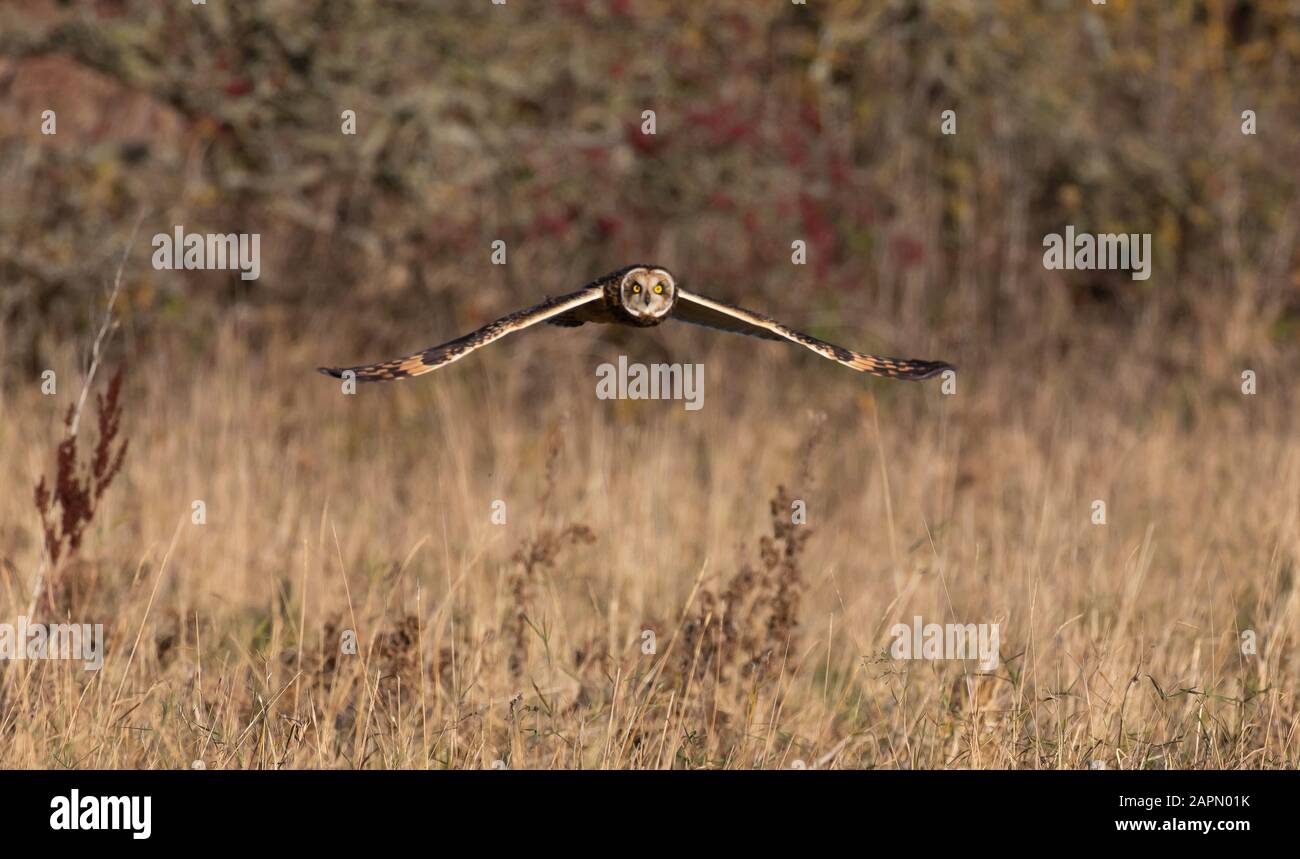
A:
(636, 287)
(659, 288)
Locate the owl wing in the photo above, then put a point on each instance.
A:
(698, 310)
(453, 350)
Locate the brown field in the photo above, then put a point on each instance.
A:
(522, 642)
(647, 602)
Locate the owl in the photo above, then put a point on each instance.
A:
(641, 296)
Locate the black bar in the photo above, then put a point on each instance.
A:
(296, 808)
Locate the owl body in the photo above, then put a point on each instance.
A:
(627, 300)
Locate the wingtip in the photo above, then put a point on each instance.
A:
(932, 369)
(330, 371)
(938, 368)
(918, 370)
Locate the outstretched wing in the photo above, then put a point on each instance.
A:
(437, 356)
(699, 310)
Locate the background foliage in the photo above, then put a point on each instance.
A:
(775, 122)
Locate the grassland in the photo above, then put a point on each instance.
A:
(525, 642)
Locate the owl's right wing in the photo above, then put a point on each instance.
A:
(453, 350)
(699, 310)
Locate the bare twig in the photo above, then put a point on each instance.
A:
(107, 325)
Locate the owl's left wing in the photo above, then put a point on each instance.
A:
(698, 310)
(453, 350)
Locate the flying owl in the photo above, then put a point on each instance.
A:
(640, 296)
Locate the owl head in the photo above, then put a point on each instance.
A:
(648, 292)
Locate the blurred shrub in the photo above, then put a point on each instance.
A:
(775, 122)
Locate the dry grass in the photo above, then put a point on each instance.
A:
(525, 643)
(648, 602)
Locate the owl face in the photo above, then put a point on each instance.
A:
(648, 293)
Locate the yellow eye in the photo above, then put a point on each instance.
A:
(659, 287)
(636, 288)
